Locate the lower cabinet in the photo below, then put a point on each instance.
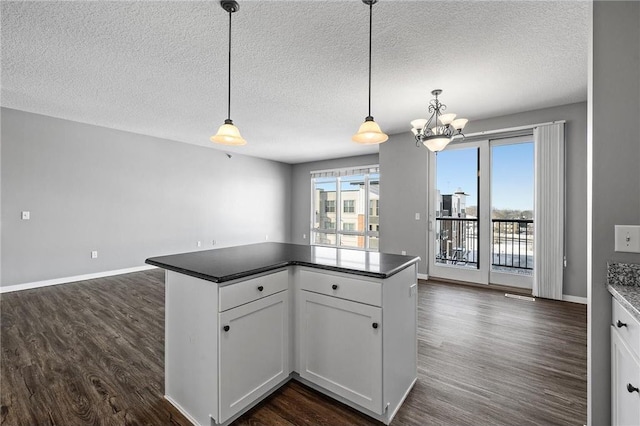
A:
(253, 347)
(625, 383)
(228, 346)
(341, 348)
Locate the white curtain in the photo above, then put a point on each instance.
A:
(549, 211)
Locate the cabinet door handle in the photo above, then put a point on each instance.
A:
(226, 328)
(374, 325)
(335, 286)
(260, 288)
(621, 324)
(632, 388)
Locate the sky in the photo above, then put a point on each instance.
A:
(511, 175)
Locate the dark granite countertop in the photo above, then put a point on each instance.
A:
(623, 282)
(628, 296)
(226, 264)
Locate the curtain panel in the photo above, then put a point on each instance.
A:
(549, 211)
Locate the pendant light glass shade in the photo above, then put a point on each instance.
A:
(436, 144)
(447, 118)
(459, 124)
(369, 133)
(228, 134)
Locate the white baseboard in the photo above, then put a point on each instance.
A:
(46, 283)
(574, 299)
(423, 276)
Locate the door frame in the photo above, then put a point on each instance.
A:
(505, 278)
(451, 272)
(484, 274)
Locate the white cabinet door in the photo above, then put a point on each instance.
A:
(341, 348)
(625, 384)
(254, 351)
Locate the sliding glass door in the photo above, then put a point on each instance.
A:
(457, 213)
(512, 188)
(481, 212)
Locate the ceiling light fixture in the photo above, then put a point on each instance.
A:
(440, 129)
(228, 133)
(369, 131)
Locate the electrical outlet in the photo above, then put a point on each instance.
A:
(417, 216)
(266, 237)
(404, 252)
(304, 236)
(26, 215)
(199, 244)
(94, 254)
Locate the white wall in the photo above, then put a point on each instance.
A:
(126, 195)
(613, 176)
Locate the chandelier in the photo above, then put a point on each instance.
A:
(440, 129)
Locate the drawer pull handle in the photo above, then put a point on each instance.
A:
(226, 328)
(621, 324)
(632, 388)
(260, 288)
(335, 286)
(374, 325)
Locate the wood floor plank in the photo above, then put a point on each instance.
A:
(92, 353)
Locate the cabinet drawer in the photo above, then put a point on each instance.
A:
(355, 289)
(628, 327)
(252, 289)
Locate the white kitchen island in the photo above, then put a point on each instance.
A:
(242, 321)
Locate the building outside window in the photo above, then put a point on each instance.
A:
(356, 225)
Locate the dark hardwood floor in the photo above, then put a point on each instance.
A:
(91, 353)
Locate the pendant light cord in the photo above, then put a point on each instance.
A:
(370, 31)
(229, 85)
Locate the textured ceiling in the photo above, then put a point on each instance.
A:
(299, 78)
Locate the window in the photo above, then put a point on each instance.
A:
(374, 208)
(349, 206)
(356, 224)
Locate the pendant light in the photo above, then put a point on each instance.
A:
(228, 133)
(369, 131)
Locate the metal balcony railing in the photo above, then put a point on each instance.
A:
(457, 241)
(511, 242)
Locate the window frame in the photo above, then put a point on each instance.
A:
(337, 232)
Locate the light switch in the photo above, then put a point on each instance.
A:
(26, 215)
(417, 216)
(627, 238)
